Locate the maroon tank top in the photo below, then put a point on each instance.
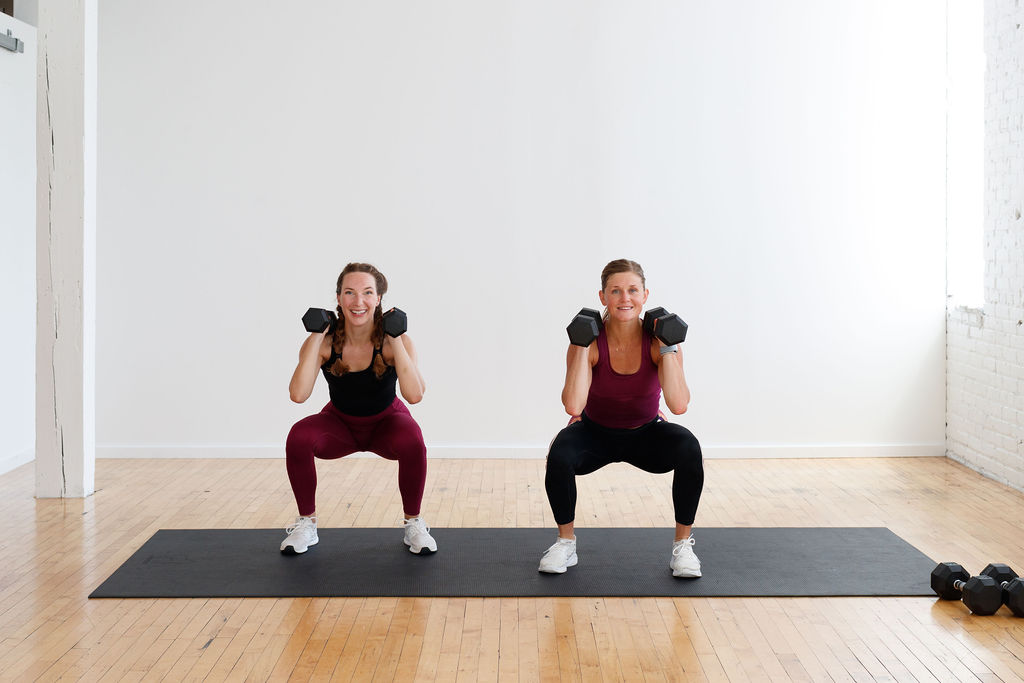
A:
(623, 401)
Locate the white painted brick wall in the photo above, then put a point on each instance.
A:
(985, 350)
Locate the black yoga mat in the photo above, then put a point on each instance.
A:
(503, 562)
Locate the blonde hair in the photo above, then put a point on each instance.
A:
(622, 266)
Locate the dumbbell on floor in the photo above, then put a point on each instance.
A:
(321, 320)
(1011, 585)
(668, 327)
(981, 594)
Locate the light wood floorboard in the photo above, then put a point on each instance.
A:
(55, 552)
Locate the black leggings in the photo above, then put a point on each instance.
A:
(658, 446)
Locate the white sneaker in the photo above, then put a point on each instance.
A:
(559, 557)
(418, 538)
(300, 536)
(684, 562)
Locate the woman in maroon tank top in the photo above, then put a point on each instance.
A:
(613, 388)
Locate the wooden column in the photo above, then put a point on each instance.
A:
(66, 249)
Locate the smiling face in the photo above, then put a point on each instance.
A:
(624, 295)
(358, 298)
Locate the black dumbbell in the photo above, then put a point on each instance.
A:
(668, 327)
(322, 320)
(584, 328)
(319, 320)
(395, 322)
(981, 594)
(1012, 586)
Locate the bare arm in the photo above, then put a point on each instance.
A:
(315, 350)
(579, 362)
(672, 378)
(410, 381)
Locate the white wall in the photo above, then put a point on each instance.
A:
(17, 247)
(778, 169)
(986, 346)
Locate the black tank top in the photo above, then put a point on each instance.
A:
(360, 393)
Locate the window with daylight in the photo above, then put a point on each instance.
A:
(965, 136)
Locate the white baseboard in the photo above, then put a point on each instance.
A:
(13, 461)
(253, 451)
(191, 451)
(794, 451)
(526, 452)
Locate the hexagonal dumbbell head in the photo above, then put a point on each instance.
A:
(1013, 596)
(1011, 585)
(670, 329)
(999, 572)
(319, 320)
(395, 322)
(649, 318)
(585, 327)
(944, 576)
(982, 595)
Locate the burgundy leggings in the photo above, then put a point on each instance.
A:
(330, 434)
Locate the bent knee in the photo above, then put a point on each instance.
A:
(410, 447)
(403, 444)
(560, 458)
(689, 459)
(299, 442)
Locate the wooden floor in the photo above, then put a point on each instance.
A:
(55, 552)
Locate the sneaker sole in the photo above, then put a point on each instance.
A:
(572, 562)
(290, 549)
(686, 574)
(423, 550)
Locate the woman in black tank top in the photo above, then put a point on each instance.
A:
(362, 366)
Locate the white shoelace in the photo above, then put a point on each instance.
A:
(301, 522)
(562, 545)
(417, 525)
(683, 546)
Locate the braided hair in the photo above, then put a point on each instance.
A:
(339, 367)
